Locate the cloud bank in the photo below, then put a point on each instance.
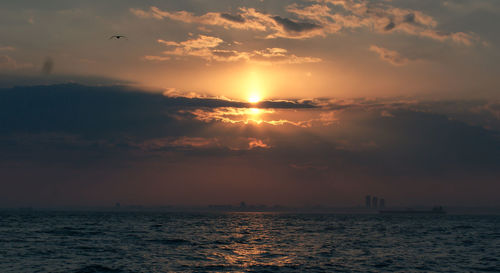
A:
(79, 140)
(210, 49)
(322, 18)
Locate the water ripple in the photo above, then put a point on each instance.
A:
(246, 242)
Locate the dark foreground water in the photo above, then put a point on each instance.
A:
(246, 242)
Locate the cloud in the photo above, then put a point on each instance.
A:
(257, 143)
(112, 135)
(467, 39)
(308, 166)
(209, 48)
(381, 17)
(282, 114)
(119, 118)
(9, 80)
(183, 142)
(390, 26)
(410, 18)
(235, 18)
(199, 43)
(8, 63)
(387, 114)
(200, 47)
(144, 14)
(195, 142)
(293, 29)
(156, 58)
(247, 18)
(186, 143)
(321, 18)
(97, 110)
(270, 56)
(293, 26)
(390, 56)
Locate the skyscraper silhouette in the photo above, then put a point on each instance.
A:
(368, 201)
(382, 203)
(374, 202)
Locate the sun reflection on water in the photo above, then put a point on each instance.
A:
(252, 244)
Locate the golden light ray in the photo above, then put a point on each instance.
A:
(255, 87)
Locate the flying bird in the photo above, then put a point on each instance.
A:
(118, 37)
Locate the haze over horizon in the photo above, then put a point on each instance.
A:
(316, 102)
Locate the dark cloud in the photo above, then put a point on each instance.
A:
(424, 144)
(225, 53)
(390, 26)
(409, 18)
(286, 104)
(215, 103)
(234, 18)
(121, 138)
(294, 26)
(12, 80)
(74, 108)
(78, 109)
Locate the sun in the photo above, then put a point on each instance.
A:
(254, 98)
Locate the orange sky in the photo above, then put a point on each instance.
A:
(274, 102)
(300, 49)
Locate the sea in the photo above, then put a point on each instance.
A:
(145, 241)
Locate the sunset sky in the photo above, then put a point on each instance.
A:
(316, 102)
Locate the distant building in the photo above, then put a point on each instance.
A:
(374, 202)
(220, 207)
(382, 203)
(243, 205)
(368, 201)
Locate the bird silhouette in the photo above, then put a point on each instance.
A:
(118, 37)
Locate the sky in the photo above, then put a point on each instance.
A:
(298, 103)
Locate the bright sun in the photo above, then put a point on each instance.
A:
(254, 98)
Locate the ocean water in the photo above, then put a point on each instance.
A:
(246, 242)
